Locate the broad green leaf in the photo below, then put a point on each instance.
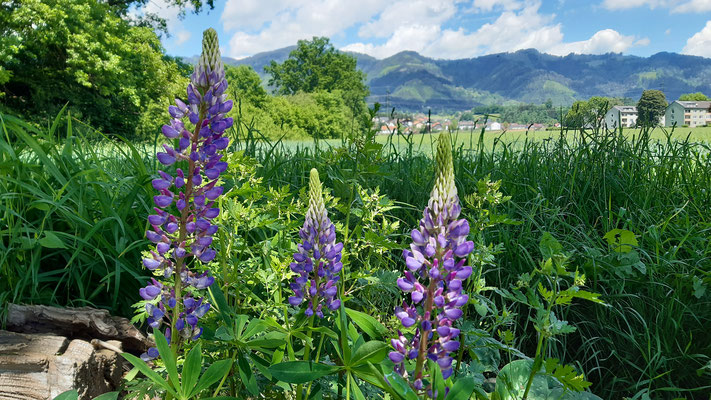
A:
(148, 372)
(191, 368)
(462, 389)
(549, 246)
(400, 386)
(68, 395)
(219, 300)
(343, 334)
(298, 372)
(168, 359)
(357, 393)
(223, 333)
(214, 373)
(247, 376)
(437, 379)
(107, 396)
(373, 351)
(52, 241)
(367, 323)
(621, 240)
(513, 378)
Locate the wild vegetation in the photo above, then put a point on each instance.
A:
(437, 266)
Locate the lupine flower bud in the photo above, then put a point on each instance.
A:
(318, 261)
(188, 234)
(434, 275)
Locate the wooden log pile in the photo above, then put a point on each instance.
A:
(49, 350)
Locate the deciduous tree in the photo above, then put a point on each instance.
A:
(651, 107)
(698, 96)
(84, 54)
(315, 65)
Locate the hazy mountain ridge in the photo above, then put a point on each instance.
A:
(410, 81)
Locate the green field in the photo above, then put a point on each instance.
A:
(496, 139)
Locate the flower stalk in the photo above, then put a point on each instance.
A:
(435, 270)
(182, 227)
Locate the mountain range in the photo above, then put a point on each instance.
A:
(412, 82)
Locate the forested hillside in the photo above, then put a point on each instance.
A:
(409, 81)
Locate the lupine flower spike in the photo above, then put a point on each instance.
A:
(435, 269)
(318, 260)
(181, 227)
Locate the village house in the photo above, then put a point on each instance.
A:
(625, 116)
(465, 125)
(688, 113)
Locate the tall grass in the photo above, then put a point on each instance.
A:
(73, 214)
(73, 207)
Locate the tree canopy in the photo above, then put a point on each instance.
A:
(246, 84)
(315, 65)
(698, 96)
(650, 108)
(84, 54)
(590, 113)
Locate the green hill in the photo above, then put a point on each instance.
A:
(410, 81)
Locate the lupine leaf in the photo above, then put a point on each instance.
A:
(373, 351)
(299, 372)
(214, 373)
(367, 323)
(191, 368)
(168, 359)
(148, 372)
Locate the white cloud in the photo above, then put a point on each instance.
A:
(171, 14)
(700, 43)
(182, 37)
(412, 37)
(490, 5)
(604, 41)
(251, 14)
(405, 13)
(512, 30)
(693, 6)
(625, 4)
(284, 22)
(675, 6)
(385, 28)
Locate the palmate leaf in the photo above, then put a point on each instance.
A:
(566, 375)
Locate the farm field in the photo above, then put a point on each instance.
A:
(514, 139)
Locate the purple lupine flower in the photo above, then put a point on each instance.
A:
(193, 190)
(435, 270)
(318, 261)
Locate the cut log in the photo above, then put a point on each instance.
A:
(77, 323)
(40, 367)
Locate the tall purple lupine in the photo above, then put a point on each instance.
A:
(183, 232)
(318, 260)
(433, 277)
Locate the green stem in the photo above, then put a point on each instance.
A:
(222, 382)
(307, 352)
(318, 357)
(348, 386)
(541, 345)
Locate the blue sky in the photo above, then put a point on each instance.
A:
(448, 28)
